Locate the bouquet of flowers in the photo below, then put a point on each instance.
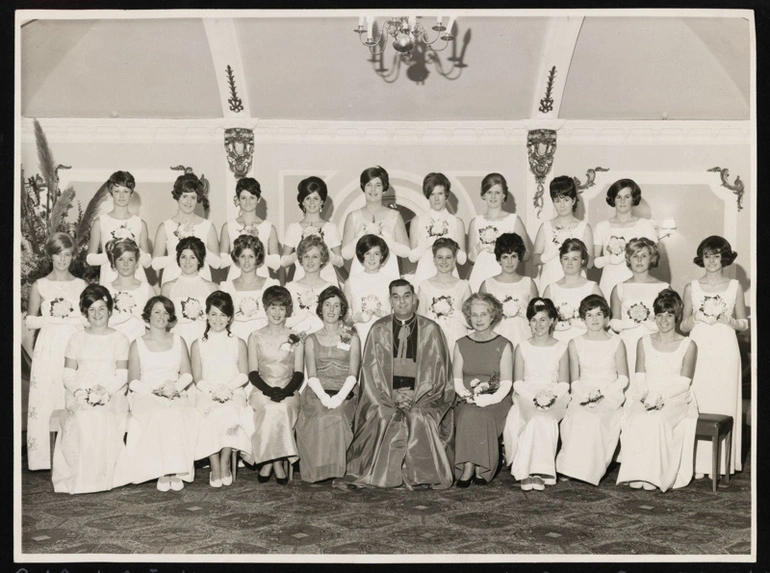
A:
(124, 301)
(184, 230)
(488, 235)
(370, 304)
(61, 308)
(250, 229)
(192, 308)
(511, 307)
(248, 307)
(438, 228)
(441, 306)
(123, 232)
(221, 394)
(592, 398)
(478, 387)
(311, 230)
(167, 390)
(307, 300)
(652, 401)
(97, 395)
(373, 228)
(638, 312)
(344, 333)
(616, 245)
(561, 234)
(713, 306)
(568, 313)
(544, 399)
(291, 343)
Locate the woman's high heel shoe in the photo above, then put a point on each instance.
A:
(282, 481)
(263, 479)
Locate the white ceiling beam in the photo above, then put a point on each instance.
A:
(558, 48)
(226, 51)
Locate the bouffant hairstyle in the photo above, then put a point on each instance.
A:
(193, 244)
(637, 244)
(574, 245)
(308, 243)
(121, 179)
(367, 243)
(224, 302)
(331, 292)
(539, 304)
(433, 180)
(115, 248)
(189, 183)
(57, 242)
(594, 301)
(372, 173)
(243, 242)
(495, 307)
(715, 245)
(310, 185)
(167, 305)
(668, 300)
(509, 243)
(564, 186)
(492, 179)
(277, 295)
(619, 185)
(91, 294)
(445, 243)
(248, 184)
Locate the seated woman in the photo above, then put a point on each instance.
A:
(163, 426)
(482, 364)
(591, 427)
(91, 437)
(658, 430)
(313, 254)
(275, 364)
(220, 367)
(540, 397)
(327, 406)
(367, 292)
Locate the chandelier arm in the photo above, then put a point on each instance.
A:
(436, 61)
(395, 70)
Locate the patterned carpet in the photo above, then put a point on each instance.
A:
(253, 518)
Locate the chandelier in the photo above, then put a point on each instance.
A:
(406, 32)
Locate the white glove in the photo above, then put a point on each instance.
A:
(617, 259)
(335, 259)
(36, 321)
(161, 262)
(225, 260)
(650, 325)
(273, 261)
(349, 250)
(327, 401)
(416, 253)
(213, 260)
(183, 382)
(238, 381)
(496, 396)
(290, 259)
(97, 259)
(69, 378)
(601, 262)
(462, 257)
(339, 398)
(460, 389)
(315, 385)
(118, 381)
(400, 249)
(145, 258)
(618, 324)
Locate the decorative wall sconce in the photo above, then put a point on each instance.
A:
(667, 227)
(737, 187)
(590, 178)
(239, 146)
(541, 147)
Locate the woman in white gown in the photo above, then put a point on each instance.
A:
(714, 311)
(95, 376)
(441, 297)
(248, 193)
(247, 288)
(276, 365)
(220, 367)
(658, 429)
(374, 218)
(163, 426)
(591, 428)
(514, 291)
(188, 191)
(311, 196)
(120, 223)
(437, 222)
(554, 232)
(368, 292)
(632, 299)
(129, 294)
(189, 290)
(313, 254)
(570, 289)
(540, 398)
(484, 230)
(611, 235)
(56, 297)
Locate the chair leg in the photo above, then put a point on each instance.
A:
(234, 463)
(715, 446)
(728, 455)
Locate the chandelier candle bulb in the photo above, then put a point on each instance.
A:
(449, 26)
(370, 28)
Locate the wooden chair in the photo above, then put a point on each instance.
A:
(716, 427)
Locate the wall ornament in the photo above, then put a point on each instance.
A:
(239, 146)
(546, 103)
(236, 103)
(590, 178)
(737, 188)
(541, 147)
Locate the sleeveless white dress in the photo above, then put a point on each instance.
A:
(176, 231)
(430, 226)
(636, 300)
(514, 297)
(445, 307)
(189, 296)
(487, 231)
(551, 271)
(305, 301)
(385, 229)
(110, 229)
(368, 290)
(249, 313)
(613, 241)
(235, 230)
(567, 302)
(330, 235)
(127, 309)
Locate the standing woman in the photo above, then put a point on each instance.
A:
(484, 230)
(118, 224)
(54, 301)
(540, 398)
(129, 294)
(313, 255)
(246, 289)
(189, 290)
(568, 291)
(95, 376)
(611, 235)
(714, 311)
(188, 191)
(482, 365)
(553, 233)
(327, 406)
(247, 196)
(311, 196)
(376, 219)
(441, 297)
(275, 364)
(513, 290)
(632, 299)
(438, 222)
